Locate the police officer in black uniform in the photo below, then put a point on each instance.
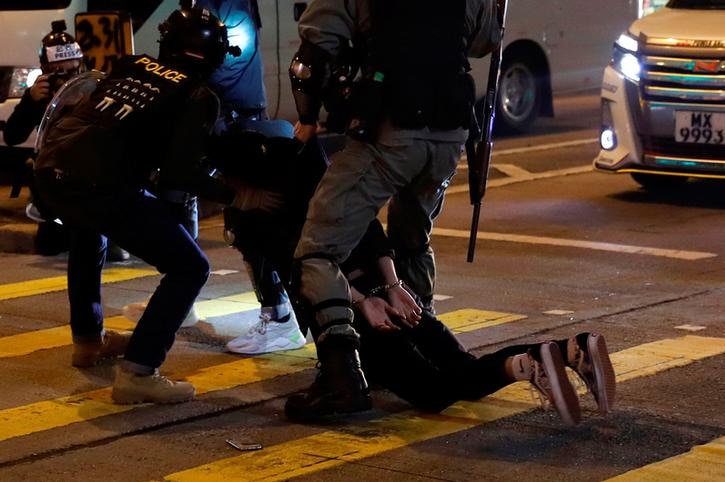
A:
(413, 105)
(150, 116)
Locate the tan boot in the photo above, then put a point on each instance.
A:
(131, 388)
(89, 354)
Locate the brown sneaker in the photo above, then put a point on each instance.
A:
(131, 388)
(587, 355)
(89, 354)
(548, 377)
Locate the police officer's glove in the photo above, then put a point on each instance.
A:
(248, 198)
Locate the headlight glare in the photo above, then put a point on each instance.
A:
(628, 43)
(627, 64)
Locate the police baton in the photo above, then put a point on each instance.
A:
(479, 145)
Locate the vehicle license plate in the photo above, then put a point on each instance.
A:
(698, 127)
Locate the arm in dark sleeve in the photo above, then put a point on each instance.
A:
(482, 27)
(326, 28)
(309, 72)
(23, 120)
(183, 167)
(373, 246)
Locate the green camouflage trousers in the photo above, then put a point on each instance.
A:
(410, 173)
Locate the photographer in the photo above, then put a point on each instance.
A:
(61, 59)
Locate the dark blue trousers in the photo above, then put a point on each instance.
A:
(143, 226)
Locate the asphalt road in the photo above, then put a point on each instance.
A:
(561, 250)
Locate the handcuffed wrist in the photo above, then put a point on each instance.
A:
(384, 288)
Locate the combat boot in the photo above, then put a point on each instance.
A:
(340, 386)
(112, 344)
(155, 388)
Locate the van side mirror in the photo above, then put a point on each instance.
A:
(299, 9)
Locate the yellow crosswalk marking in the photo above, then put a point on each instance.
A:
(704, 463)
(86, 406)
(29, 342)
(60, 412)
(461, 321)
(357, 441)
(227, 305)
(59, 283)
(25, 343)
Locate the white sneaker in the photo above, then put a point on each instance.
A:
(31, 211)
(268, 336)
(133, 312)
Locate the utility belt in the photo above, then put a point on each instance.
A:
(409, 103)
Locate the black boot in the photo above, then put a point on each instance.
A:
(340, 386)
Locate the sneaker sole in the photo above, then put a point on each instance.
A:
(565, 399)
(605, 378)
(276, 345)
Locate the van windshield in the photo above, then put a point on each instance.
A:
(33, 4)
(698, 4)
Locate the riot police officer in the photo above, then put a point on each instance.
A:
(149, 116)
(411, 112)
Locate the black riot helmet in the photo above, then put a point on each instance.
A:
(193, 38)
(59, 48)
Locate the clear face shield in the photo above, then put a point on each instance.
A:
(69, 94)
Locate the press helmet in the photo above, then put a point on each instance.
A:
(60, 46)
(195, 39)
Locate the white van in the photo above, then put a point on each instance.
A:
(553, 47)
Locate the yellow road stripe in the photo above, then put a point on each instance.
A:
(704, 463)
(60, 283)
(63, 411)
(45, 415)
(462, 321)
(329, 449)
(26, 343)
(358, 441)
(227, 305)
(29, 342)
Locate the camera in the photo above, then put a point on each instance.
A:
(57, 79)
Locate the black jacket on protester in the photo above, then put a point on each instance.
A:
(426, 365)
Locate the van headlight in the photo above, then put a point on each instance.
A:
(624, 58)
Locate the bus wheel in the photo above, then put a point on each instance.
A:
(519, 96)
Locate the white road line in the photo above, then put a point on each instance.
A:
(532, 177)
(542, 147)
(575, 243)
(511, 170)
